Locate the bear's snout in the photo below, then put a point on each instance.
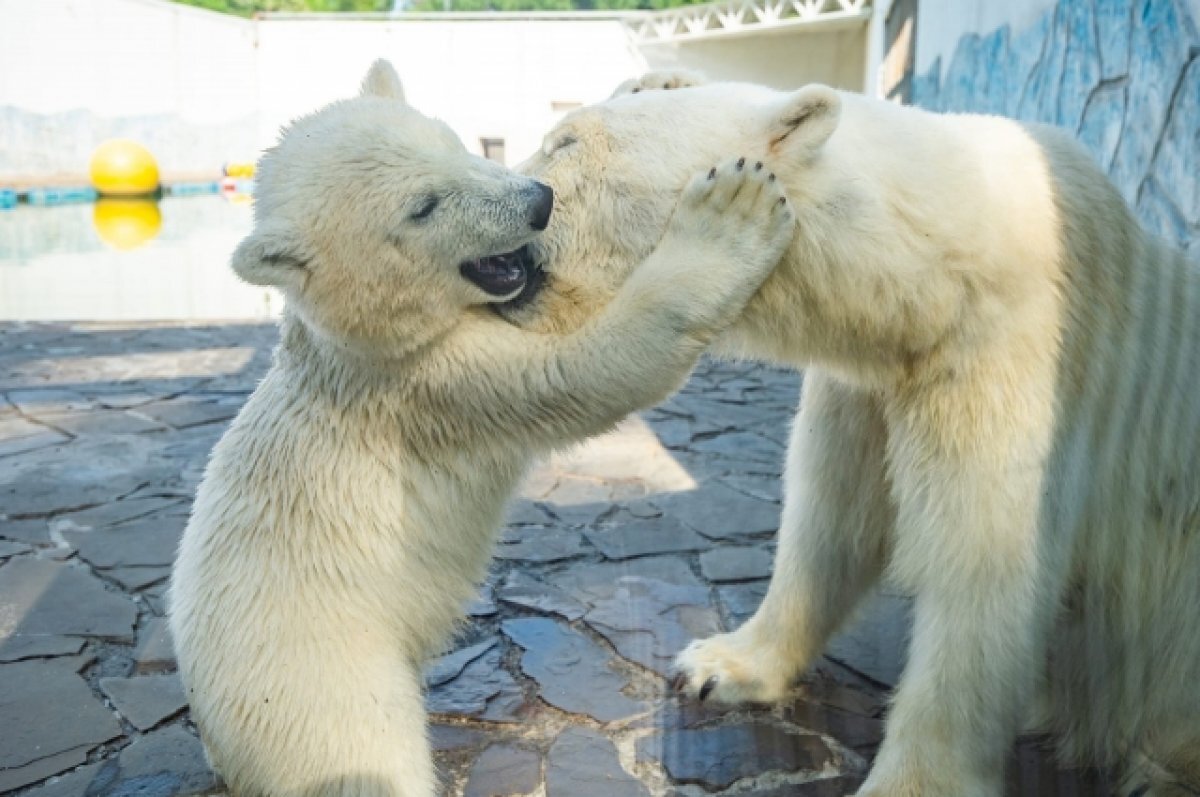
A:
(542, 207)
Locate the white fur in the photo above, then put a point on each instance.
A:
(999, 414)
(349, 511)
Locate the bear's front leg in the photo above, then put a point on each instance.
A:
(837, 516)
(967, 458)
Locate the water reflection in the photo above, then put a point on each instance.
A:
(127, 260)
(126, 224)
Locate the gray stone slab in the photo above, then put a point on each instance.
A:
(133, 579)
(736, 563)
(875, 643)
(448, 667)
(742, 600)
(86, 781)
(716, 758)
(450, 738)
(483, 689)
(156, 598)
(186, 411)
(33, 532)
(762, 488)
(148, 541)
(9, 548)
(577, 501)
(39, 598)
(18, 435)
(527, 513)
(96, 471)
(51, 720)
(591, 580)
(146, 700)
(19, 648)
(484, 604)
(39, 401)
(116, 512)
(641, 508)
(741, 445)
(583, 763)
(124, 399)
(163, 763)
(573, 673)
(539, 544)
(43, 767)
(503, 770)
(649, 621)
(522, 589)
(155, 651)
(674, 432)
(719, 512)
(103, 422)
(859, 733)
(644, 538)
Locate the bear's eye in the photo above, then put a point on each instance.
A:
(561, 144)
(427, 206)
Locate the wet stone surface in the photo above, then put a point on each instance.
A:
(614, 556)
(716, 758)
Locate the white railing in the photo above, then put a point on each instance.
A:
(741, 17)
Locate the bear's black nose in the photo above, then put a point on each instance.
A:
(542, 207)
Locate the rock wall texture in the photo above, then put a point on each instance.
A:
(1123, 75)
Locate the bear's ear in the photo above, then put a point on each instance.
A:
(382, 81)
(271, 255)
(806, 119)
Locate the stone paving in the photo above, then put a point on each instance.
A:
(614, 557)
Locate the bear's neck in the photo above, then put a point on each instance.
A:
(334, 373)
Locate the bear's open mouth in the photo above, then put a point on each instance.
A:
(499, 275)
(535, 279)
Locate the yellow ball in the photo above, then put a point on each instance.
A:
(121, 167)
(126, 224)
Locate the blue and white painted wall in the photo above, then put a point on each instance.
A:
(1123, 75)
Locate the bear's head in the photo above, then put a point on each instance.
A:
(380, 228)
(617, 169)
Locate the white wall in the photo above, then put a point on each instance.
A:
(784, 59)
(200, 88)
(126, 58)
(75, 72)
(484, 78)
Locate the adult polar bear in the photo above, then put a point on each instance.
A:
(999, 413)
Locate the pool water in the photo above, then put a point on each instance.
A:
(127, 260)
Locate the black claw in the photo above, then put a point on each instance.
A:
(712, 172)
(758, 166)
(706, 690)
(741, 162)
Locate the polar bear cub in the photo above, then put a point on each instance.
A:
(349, 511)
(999, 415)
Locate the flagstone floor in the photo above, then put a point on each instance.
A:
(614, 556)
